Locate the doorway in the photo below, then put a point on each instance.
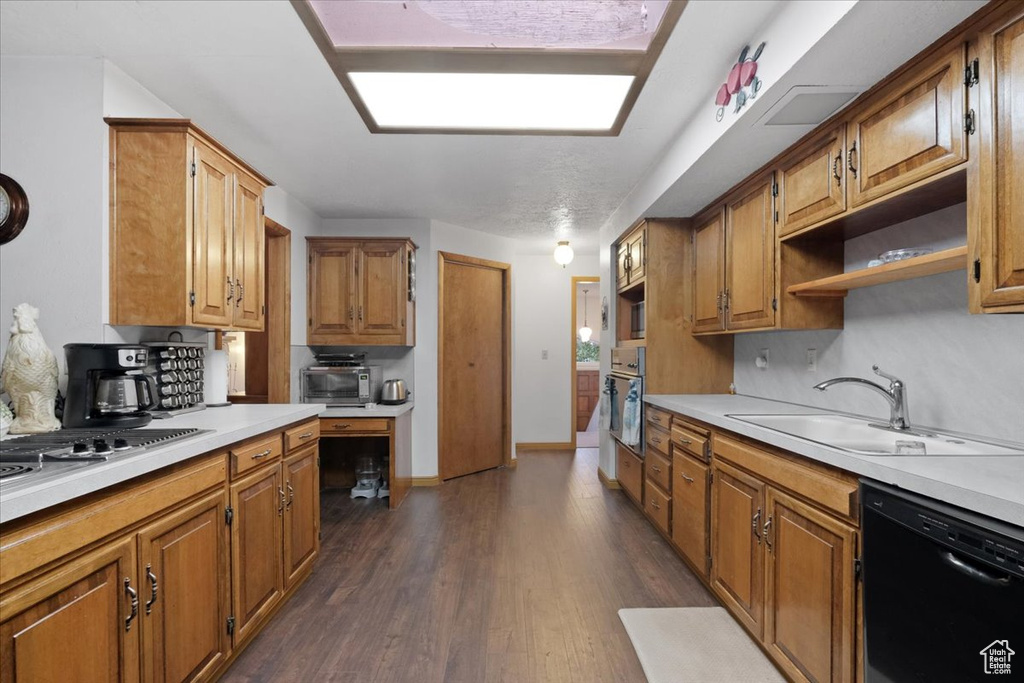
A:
(260, 362)
(585, 379)
(474, 363)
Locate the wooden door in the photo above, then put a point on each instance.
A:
(331, 298)
(474, 338)
(249, 254)
(737, 554)
(709, 273)
(256, 547)
(911, 130)
(637, 254)
(186, 596)
(810, 625)
(75, 624)
(382, 289)
(996, 187)
(812, 183)
(301, 513)
(750, 257)
(587, 387)
(622, 266)
(212, 276)
(690, 497)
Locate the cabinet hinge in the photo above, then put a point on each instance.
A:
(311, 258)
(775, 304)
(969, 126)
(231, 626)
(191, 298)
(972, 73)
(977, 270)
(318, 461)
(711, 477)
(311, 322)
(263, 210)
(858, 568)
(775, 189)
(776, 216)
(229, 515)
(263, 310)
(192, 170)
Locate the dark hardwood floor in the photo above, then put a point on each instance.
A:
(508, 575)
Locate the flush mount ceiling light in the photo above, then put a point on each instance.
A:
(533, 67)
(563, 253)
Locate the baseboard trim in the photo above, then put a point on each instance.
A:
(512, 464)
(426, 481)
(608, 482)
(546, 446)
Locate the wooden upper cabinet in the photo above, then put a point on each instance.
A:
(631, 258)
(186, 229)
(812, 182)
(359, 291)
(622, 266)
(750, 257)
(709, 272)
(737, 567)
(995, 223)
(810, 624)
(911, 130)
(76, 623)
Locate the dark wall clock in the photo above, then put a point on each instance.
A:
(13, 208)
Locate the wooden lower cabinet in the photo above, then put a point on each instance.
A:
(690, 510)
(77, 623)
(658, 506)
(256, 548)
(810, 625)
(630, 473)
(301, 513)
(185, 594)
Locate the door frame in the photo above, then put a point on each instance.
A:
(576, 281)
(443, 258)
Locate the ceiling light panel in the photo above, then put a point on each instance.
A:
(492, 101)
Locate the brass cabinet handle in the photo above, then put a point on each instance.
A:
(755, 525)
(725, 299)
(835, 169)
(360, 313)
(849, 159)
(280, 507)
(681, 440)
(351, 312)
(306, 435)
(291, 495)
(657, 470)
(262, 454)
(241, 292)
(134, 597)
(152, 594)
(231, 289)
(656, 440)
(718, 301)
(654, 504)
(767, 528)
(689, 480)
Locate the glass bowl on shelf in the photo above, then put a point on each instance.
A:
(902, 254)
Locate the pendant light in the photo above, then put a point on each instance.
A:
(585, 331)
(563, 253)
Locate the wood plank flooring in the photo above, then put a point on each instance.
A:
(508, 575)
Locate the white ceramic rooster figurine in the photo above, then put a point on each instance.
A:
(29, 375)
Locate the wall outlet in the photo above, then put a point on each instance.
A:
(812, 360)
(543, 354)
(762, 359)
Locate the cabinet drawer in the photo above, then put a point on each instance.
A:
(301, 435)
(688, 441)
(657, 439)
(659, 417)
(253, 454)
(690, 509)
(658, 507)
(333, 426)
(659, 470)
(629, 472)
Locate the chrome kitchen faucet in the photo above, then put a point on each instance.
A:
(896, 395)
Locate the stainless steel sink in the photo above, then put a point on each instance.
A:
(864, 437)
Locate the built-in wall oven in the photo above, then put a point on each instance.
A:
(628, 365)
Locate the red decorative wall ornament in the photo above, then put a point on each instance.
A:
(741, 82)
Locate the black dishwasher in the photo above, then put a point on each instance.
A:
(943, 592)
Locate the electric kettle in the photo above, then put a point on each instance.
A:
(394, 392)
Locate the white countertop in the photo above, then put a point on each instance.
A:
(990, 485)
(229, 425)
(359, 411)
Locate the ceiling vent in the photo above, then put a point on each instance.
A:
(808, 105)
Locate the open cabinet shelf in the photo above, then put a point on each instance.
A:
(920, 266)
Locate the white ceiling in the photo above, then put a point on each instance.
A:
(248, 72)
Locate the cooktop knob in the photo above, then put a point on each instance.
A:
(121, 444)
(80, 447)
(101, 446)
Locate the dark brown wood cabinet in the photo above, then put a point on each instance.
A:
(750, 256)
(995, 223)
(301, 513)
(360, 292)
(812, 182)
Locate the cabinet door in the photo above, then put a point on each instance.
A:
(75, 623)
(690, 510)
(331, 299)
(183, 565)
(382, 289)
(750, 257)
(301, 513)
(912, 130)
(249, 254)
(810, 625)
(637, 255)
(622, 266)
(812, 183)
(737, 555)
(996, 188)
(256, 558)
(630, 473)
(709, 273)
(212, 238)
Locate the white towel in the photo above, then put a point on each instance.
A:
(606, 404)
(631, 416)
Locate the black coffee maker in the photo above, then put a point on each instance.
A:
(107, 386)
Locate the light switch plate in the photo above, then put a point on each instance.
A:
(543, 354)
(762, 359)
(812, 360)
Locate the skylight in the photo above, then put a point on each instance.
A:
(526, 67)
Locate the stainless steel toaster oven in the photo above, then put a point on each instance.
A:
(341, 386)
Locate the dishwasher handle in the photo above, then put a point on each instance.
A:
(970, 570)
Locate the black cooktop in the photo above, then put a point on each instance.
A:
(69, 445)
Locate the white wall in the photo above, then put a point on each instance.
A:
(963, 372)
(542, 402)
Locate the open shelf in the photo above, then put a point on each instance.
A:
(920, 266)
